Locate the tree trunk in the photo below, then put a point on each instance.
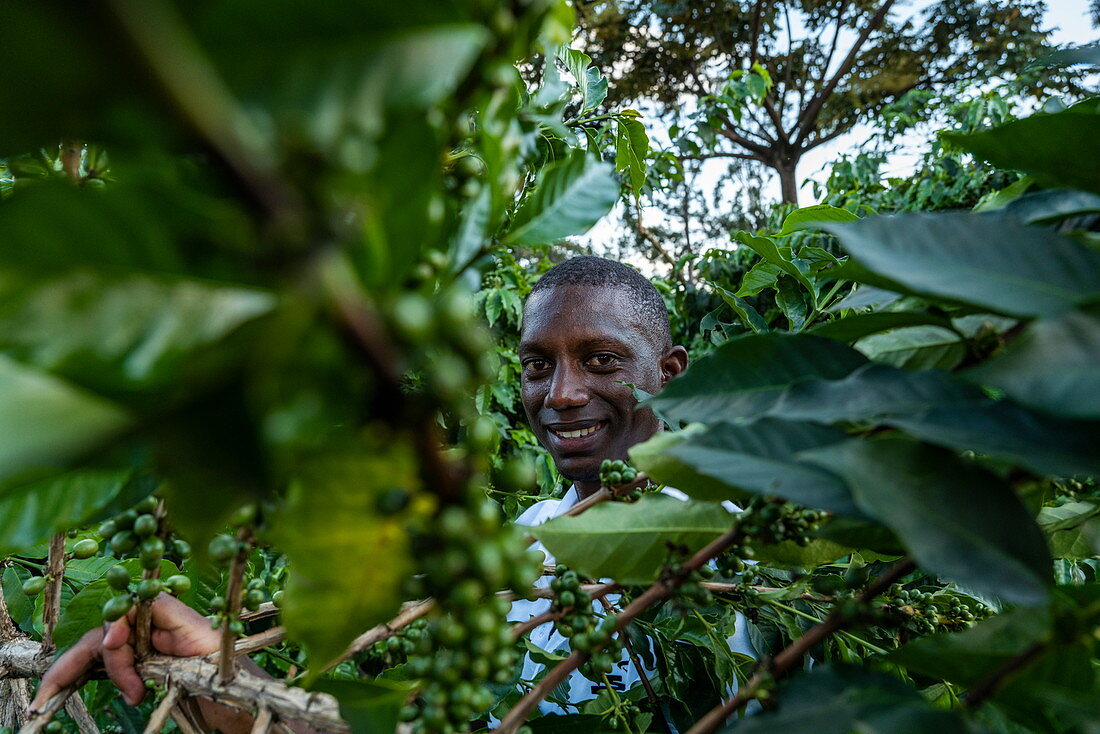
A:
(788, 181)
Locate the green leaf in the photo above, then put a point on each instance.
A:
(1052, 205)
(766, 248)
(915, 348)
(759, 458)
(857, 326)
(122, 336)
(47, 422)
(368, 706)
(629, 542)
(20, 606)
(1049, 147)
(1054, 366)
(82, 613)
(631, 149)
(985, 260)
(762, 275)
(571, 195)
(655, 458)
(1065, 527)
(834, 699)
(790, 554)
(812, 216)
(747, 374)
(956, 519)
(748, 315)
(791, 300)
(347, 562)
(1086, 54)
(32, 512)
(592, 84)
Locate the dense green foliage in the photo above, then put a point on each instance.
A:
(267, 352)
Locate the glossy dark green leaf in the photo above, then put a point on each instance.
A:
(957, 520)
(872, 392)
(859, 325)
(656, 459)
(1049, 147)
(1066, 525)
(789, 554)
(1054, 366)
(766, 248)
(83, 612)
(812, 216)
(1052, 205)
(46, 422)
(30, 513)
(571, 195)
(1086, 54)
(1007, 431)
(20, 606)
(980, 259)
(762, 275)
(746, 375)
(123, 336)
(915, 348)
(841, 699)
(629, 543)
(347, 562)
(749, 316)
(760, 458)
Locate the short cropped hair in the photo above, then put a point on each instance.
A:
(586, 270)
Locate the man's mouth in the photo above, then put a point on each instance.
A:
(572, 436)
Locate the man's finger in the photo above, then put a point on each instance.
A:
(119, 662)
(118, 633)
(68, 668)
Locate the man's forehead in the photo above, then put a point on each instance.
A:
(585, 311)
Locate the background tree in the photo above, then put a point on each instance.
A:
(770, 81)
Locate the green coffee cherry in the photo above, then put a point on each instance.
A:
(145, 525)
(152, 551)
(85, 548)
(34, 585)
(146, 505)
(182, 548)
(244, 515)
(118, 578)
(116, 607)
(107, 529)
(277, 599)
(123, 542)
(178, 584)
(253, 599)
(222, 548)
(413, 317)
(148, 589)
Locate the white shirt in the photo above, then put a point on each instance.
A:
(625, 674)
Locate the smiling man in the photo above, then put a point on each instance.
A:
(592, 328)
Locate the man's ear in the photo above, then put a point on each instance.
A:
(673, 363)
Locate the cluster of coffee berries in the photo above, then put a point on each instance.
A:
(587, 631)
(769, 521)
(691, 593)
(926, 613)
(131, 591)
(614, 473)
(468, 555)
(396, 648)
(80, 550)
(139, 532)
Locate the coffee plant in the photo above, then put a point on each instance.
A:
(262, 268)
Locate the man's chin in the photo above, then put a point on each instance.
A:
(586, 471)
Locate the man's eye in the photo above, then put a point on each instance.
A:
(535, 365)
(602, 360)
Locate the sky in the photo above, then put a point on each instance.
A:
(1070, 22)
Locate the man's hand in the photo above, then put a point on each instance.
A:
(177, 630)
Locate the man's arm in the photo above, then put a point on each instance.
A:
(177, 630)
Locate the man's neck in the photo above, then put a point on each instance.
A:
(586, 489)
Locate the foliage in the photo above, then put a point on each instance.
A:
(260, 319)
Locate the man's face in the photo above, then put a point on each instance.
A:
(578, 345)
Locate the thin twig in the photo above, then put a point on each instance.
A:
(267, 638)
(164, 709)
(78, 712)
(55, 572)
(38, 720)
(636, 662)
(233, 595)
(186, 723)
(794, 652)
(263, 722)
(408, 615)
(659, 591)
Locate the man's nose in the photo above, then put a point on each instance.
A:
(568, 389)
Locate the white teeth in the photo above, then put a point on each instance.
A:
(577, 434)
